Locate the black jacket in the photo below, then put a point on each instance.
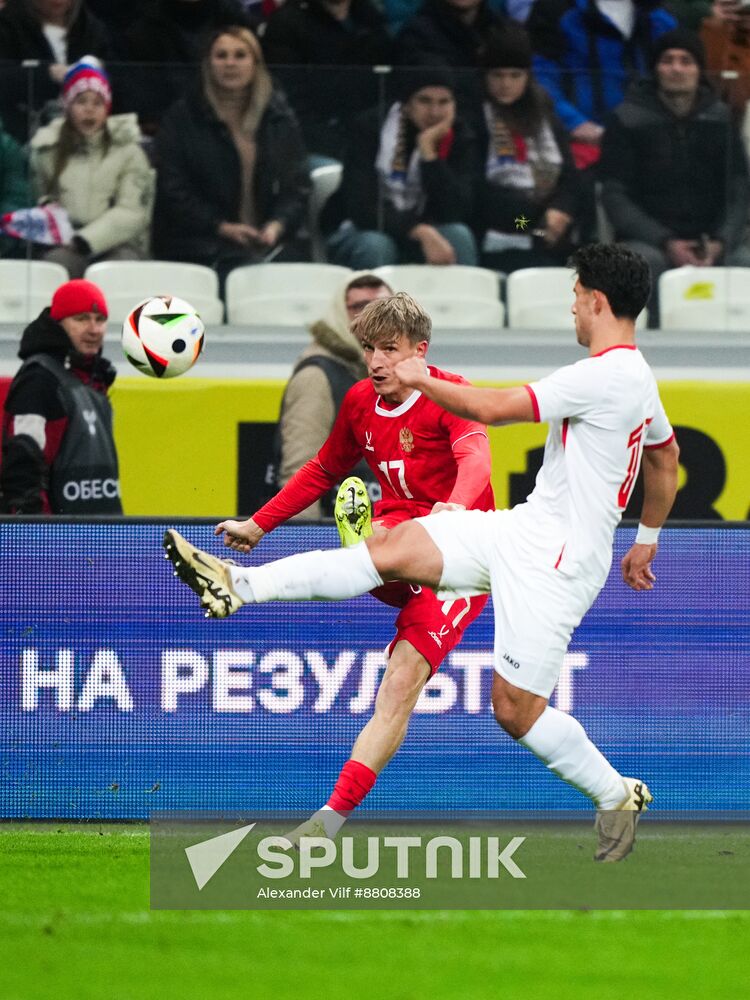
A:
(667, 177)
(21, 37)
(200, 175)
(436, 36)
(326, 64)
(448, 184)
(26, 471)
(167, 42)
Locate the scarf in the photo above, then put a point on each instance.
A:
(531, 163)
(398, 169)
(524, 163)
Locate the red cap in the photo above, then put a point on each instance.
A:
(78, 296)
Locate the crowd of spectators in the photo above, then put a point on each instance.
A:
(470, 131)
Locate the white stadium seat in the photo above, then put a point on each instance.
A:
(26, 287)
(281, 294)
(457, 312)
(125, 283)
(539, 298)
(705, 298)
(325, 180)
(427, 281)
(455, 297)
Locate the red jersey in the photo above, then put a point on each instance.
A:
(420, 453)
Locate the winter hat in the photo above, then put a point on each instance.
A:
(680, 38)
(77, 296)
(412, 80)
(87, 74)
(507, 47)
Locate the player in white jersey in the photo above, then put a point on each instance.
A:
(545, 560)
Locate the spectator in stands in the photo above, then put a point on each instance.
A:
(407, 188)
(58, 453)
(14, 187)
(169, 40)
(530, 190)
(322, 376)
(92, 164)
(447, 33)
(118, 16)
(674, 170)
(398, 13)
(232, 175)
(56, 32)
(585, 51)
(726, 37)
(336, 40)
(452, 33)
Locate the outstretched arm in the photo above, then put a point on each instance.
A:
(660, 467)
(307, 485)
(488, 406)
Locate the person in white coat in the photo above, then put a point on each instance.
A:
(92, 164)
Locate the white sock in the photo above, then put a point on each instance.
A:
(333, 575)
(560, 741)
(331, 820)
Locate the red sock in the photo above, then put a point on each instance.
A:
(354, 782)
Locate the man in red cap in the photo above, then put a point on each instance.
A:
(58, 452)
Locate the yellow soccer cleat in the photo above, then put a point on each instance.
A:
(353, 512)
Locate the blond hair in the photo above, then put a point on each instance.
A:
(385, 319)
(259, 91)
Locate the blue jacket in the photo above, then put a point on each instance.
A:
(582, 59)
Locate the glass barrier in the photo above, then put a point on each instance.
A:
(477, 194)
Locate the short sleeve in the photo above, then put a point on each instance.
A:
(571, 391)
(659, 431)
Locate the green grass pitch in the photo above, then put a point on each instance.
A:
(75, 923)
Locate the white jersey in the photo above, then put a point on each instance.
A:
(602, 412)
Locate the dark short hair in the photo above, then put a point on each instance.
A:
(368, 281)
(618, 272)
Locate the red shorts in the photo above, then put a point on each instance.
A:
(433, 627)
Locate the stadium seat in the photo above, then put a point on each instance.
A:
(539, 298)
(457, 312)
(325, 180)
(125, 283)
(705, 298)
(26, 287)
(455, 297)
(281, 294)
(426, 281)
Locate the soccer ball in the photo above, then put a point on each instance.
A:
(163, 336)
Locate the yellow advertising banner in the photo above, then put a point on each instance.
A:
(199, 447)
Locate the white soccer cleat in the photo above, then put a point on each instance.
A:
(206, 575)
(313, 827)
(616, 827)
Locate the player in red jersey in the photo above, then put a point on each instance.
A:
(426, 460)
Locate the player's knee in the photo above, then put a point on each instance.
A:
(385, 555)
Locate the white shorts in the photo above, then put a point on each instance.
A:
(536, 607)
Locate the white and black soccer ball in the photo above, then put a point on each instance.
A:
(163, 336)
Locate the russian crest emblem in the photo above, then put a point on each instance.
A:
(406, 440)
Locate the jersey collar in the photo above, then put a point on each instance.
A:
(616, 347)
(401, 408)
